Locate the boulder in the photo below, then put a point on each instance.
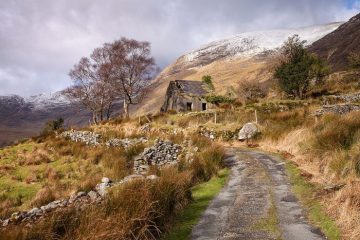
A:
(248, 131)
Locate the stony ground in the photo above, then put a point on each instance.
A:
(257, 203)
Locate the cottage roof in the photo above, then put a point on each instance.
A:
(192, 87)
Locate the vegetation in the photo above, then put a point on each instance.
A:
(115, 71)
(306, 192)
(52, 126)
(202, 194)
(55, 167)
(250, 91)
(297, 67)
(218, 99)
(208, 80)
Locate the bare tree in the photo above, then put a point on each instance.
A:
(133, 67)
(92, 85)
(251, 90)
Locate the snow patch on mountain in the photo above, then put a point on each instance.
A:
(47, 100)
(252, 43)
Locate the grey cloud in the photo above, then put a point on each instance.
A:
(40, 40)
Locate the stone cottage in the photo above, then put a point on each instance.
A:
(186, 95)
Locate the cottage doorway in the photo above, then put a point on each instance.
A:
(204, 107)
(189, 106)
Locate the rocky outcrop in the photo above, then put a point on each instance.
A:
(337, 109)
(162, 153)
(248, 131)
(79, 199)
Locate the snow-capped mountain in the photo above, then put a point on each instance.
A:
(230, 60)
(253, 43)
(25, 117)
(250, 44)
(47, 100)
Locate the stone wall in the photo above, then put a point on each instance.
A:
(79, 200)
(162, 153)
(337, 109)
(95, 139)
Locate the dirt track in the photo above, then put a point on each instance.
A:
(257, 203)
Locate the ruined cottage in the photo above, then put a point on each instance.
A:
(186, 95)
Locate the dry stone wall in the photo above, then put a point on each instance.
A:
(162, 153)
(337, 109)
(95, 139)
(79, 200)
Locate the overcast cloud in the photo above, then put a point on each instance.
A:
(40, 40)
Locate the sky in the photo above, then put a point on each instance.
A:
(40, 40)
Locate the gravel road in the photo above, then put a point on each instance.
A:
(256, 203)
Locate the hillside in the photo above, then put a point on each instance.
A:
(336, 46)
(25, 117)
(229, 61)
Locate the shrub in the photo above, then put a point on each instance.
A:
(219, 99)
(297, 67)
(207, 162)
(53, 125)
(208, 80)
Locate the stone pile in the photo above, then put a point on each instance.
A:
(80, 200)
(208, 133)
(125, 143)
(162, 153)
(87, 137)
(337, 109)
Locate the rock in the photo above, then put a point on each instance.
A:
(35, 212)
(163, 152)
(105, 180)
(289, 198)
(133, 177)
(5, 222)
(248, 131)
(152, 177)
(94, 196)
(101, 189)
(334, 187)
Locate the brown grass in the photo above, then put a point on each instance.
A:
(43, 196)
(137, 210)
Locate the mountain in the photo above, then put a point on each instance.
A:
(245, 56)
(25, 117)
(336, 46)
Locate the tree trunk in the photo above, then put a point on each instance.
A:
(94, 118)
(126, 109)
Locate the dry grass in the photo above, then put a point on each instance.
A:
(138, 210)
(43, 197)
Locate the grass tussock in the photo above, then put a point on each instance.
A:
(336, 132)
(43, 197)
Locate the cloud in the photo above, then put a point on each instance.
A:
(41, 40)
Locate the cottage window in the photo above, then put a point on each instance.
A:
(204, 107)
(189, 106)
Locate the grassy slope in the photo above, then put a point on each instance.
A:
(202, 195)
